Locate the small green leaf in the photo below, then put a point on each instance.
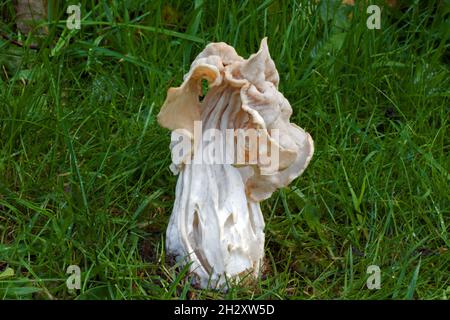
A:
(21, 291)
(412, 284)
(8, 272)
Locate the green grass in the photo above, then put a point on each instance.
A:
(84, 166)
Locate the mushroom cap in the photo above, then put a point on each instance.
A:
(261, 105)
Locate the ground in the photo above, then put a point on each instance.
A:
(84, 166)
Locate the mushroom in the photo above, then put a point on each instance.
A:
(216, 224)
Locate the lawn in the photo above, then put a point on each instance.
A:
(84, 165)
